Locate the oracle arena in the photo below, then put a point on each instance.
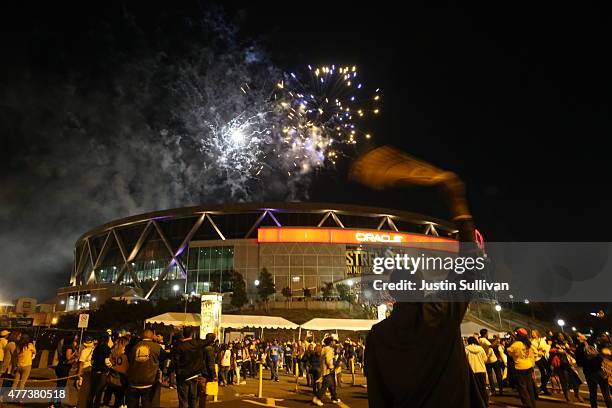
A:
(193, 250)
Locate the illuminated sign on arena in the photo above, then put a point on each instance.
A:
(377, 237)
(354, 236)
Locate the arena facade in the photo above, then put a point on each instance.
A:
(196, 249)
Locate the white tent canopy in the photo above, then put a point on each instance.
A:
(265, 322)
(339, 324)
(273, 322)
(233, 321)
(467, 328)
(176, 319)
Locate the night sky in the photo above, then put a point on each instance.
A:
(515, 100)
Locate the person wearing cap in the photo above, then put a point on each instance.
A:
(3, 342)
(524, 355)
(84, 372)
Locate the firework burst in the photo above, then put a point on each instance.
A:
(322, 110)
(239, 144)
(290, 127)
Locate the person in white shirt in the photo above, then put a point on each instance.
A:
(492, 364)
(543, 349)
(225, 362)
(477, 358)
(84, 372)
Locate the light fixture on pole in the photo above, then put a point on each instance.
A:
(498, 309)
(561, 323)
(256, 282)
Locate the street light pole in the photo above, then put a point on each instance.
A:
(498, 308)
(176, 288)
(561, 323)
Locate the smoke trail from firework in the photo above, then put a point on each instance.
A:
(285, 131)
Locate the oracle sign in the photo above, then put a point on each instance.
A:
(354, 236)
(377, 237)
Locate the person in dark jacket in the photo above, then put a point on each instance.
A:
(560, 353)
(415, 357)
(100, 363)
(313, 359)
(588, 357)
(208, 370)
(422, 341)
(143, 372)
(188, 363)
(67, 356)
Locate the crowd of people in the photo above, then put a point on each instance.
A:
(319, 363)
(129, 370)
(126, 370)
(564, 362)
(17, 351)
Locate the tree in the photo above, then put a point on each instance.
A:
(328, 290)
(113, 314)
(68, 321)
(239, 295)
(266, 288)
(287, 292)
(344, 292)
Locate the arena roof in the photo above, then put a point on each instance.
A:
(275, 207)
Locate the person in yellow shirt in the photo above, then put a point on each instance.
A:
(524, 355)
(3, 342)
(25, 354)
(606, 365)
